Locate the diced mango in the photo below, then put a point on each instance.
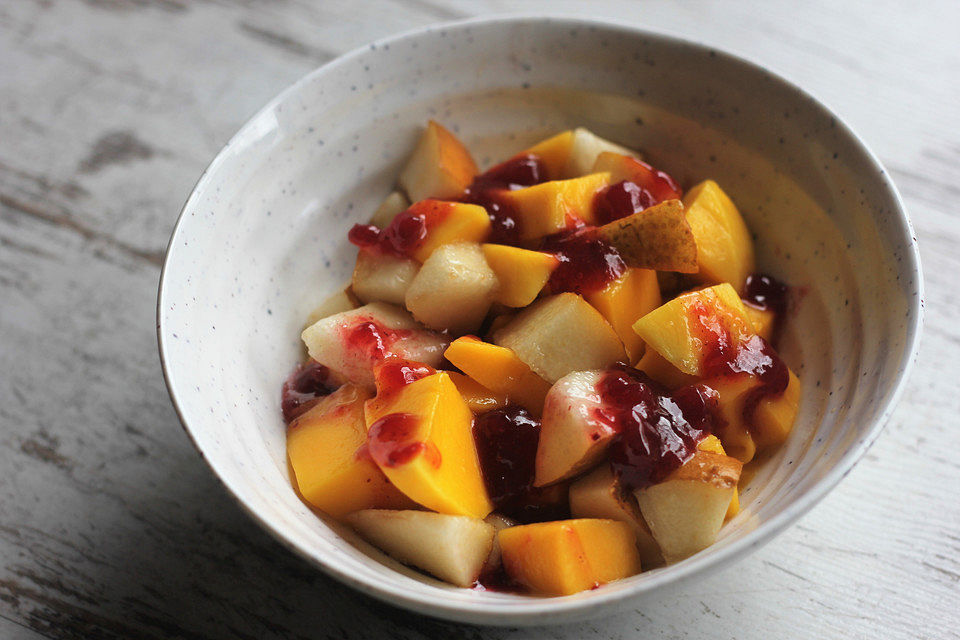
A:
(500, 370)
(654, 365)
(724, 245)
(477, 396)
(554, 153)
(763, 321)
(421, 437)
(449, 222)
(325, 447)
(553, 206)
(772, 420)
(681, 329)
(572, 153)
(624, 301)
(568, 556)
(713, 445)
(522, 274)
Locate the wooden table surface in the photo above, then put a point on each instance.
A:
(111, 526)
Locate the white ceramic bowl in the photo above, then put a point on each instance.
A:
(263, 238)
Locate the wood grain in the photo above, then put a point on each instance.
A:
(110, 524)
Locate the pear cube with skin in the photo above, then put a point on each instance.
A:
(452, 548)
(440, 167)
(381, 277)
(388, 209)
(453, 289)
(560, 334)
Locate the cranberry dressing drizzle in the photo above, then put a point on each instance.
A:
(370, 340)
(404, 234)
(390, 441)
(587, 262)
(725, 354)
(521, 171)
(303, 388)
(765, 292)
(620, 200)
(658, 430)
(393, 373)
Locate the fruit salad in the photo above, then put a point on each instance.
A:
(543, 377)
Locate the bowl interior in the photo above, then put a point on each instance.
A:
(263, 239)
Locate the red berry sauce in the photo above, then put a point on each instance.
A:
(393, 373)
(521, 171)
(765, 292)
(303, 388)
(405, 233)
(391, 443)
(646, 187)
(506, 442)
(725, 354)
(587, 262)
(658, 430)
(369, 340)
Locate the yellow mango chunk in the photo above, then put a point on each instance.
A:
(522, 274)
(568, 556)
(325, 447)
(449, 222)
(713, 445)
(421, 437)
(681, 329)
(553, 206)
(654, 365)
(554, 153)
(624, 301)
(762, 320)
(772, 420)
(500, 370)
(477, 396)
(724, 245)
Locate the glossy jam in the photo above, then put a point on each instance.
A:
(521, 171)
(765, 292)
(391, 441)
(303, 388)
(392, 374)
(496, 579)
(506, 442)
(621, 200)
(587, 263)
(658, 430)
(405, 233)
(370, 340)
(725, 354)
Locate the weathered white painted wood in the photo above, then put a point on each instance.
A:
(111, 526)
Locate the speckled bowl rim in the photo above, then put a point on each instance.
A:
(534, 611)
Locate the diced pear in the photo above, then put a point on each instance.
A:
(550, 207)
(712, 444)
(380, 277)
(568, 556)
(452, 548)
(724, 246)
(421, 437)
(572, 439)
(571, 154)
(522, 274)
(342, 300)
(658, 237)
(453, 289)
(479, 398)
(325, 450)
(599, 495)
(388, 209)
(560, 334)
(675, 329)
(351, 342)
(440, 167)
(686, 510)
(500, 370)
(624, 301)
(498, 522)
